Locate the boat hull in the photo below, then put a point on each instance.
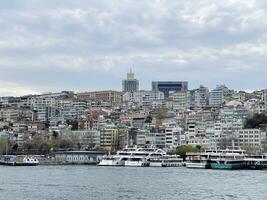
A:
(110, 163)
(19, 164)
(172, 164)
(20, 160)
(197, 165)
(136, 164)
(155, 164)
(227, 166)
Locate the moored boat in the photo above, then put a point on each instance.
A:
(256, 162)
(227, 164)
(227, 159)
(136, 161)
(19, 160)
(111, 161)
(197, 160)
(166, 161)
(132, 156)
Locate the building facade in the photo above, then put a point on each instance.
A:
(168, 87)
(101, 96)
(130, 84)
(216, 97)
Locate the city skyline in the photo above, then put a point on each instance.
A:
(52, 45)
(142, 88)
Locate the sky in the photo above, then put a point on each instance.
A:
(87, 45)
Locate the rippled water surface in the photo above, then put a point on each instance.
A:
(92, 182)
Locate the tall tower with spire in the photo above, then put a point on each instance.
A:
(130, 84)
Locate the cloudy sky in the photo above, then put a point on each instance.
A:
(84, 45)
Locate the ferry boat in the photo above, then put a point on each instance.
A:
(140, 156)
(166, 161)
(227, 159)
(19, 160)
(132, 156)
(197, 160)
(111, 161)
(256, 162)
(136, 161)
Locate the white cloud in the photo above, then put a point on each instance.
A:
(13, 89)
(109, 37)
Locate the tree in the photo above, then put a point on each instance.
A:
(3, 146)
(43, 146)
(249, 149)
(55, 134)
(256, 121)
(226, 142)
(148, 119)
(264, 145)
(182, 150)
(15, 147)
(64, 144)
(74, 124)
(160, 116)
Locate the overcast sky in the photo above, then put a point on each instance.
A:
(85, 45)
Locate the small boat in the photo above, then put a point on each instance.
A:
(19, 160)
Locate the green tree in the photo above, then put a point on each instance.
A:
(3, 146)
(64, 144)
(182, 150)
(249, 149)
(160, 115)
(55, 134)
(148, 119)
(256, 121)
(45, 146)
(264, 145)
(74, 124)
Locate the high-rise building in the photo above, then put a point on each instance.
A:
(180, 101)
(216, 97)
(202, 96)
(169, 87)
(130, 84)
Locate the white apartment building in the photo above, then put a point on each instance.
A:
(252, 137)
(180, 103)
(216, 97)
(202, 96)
(172, 137)
(144, 98)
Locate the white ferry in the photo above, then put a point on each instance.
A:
(197, 160)
(227, 159)
(136, 161)
(166, 161)
(256, 162)
(132, 157)
(140, 157)
(19, 160)
(112, 160)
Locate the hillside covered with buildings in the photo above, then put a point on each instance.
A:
(167, 116)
